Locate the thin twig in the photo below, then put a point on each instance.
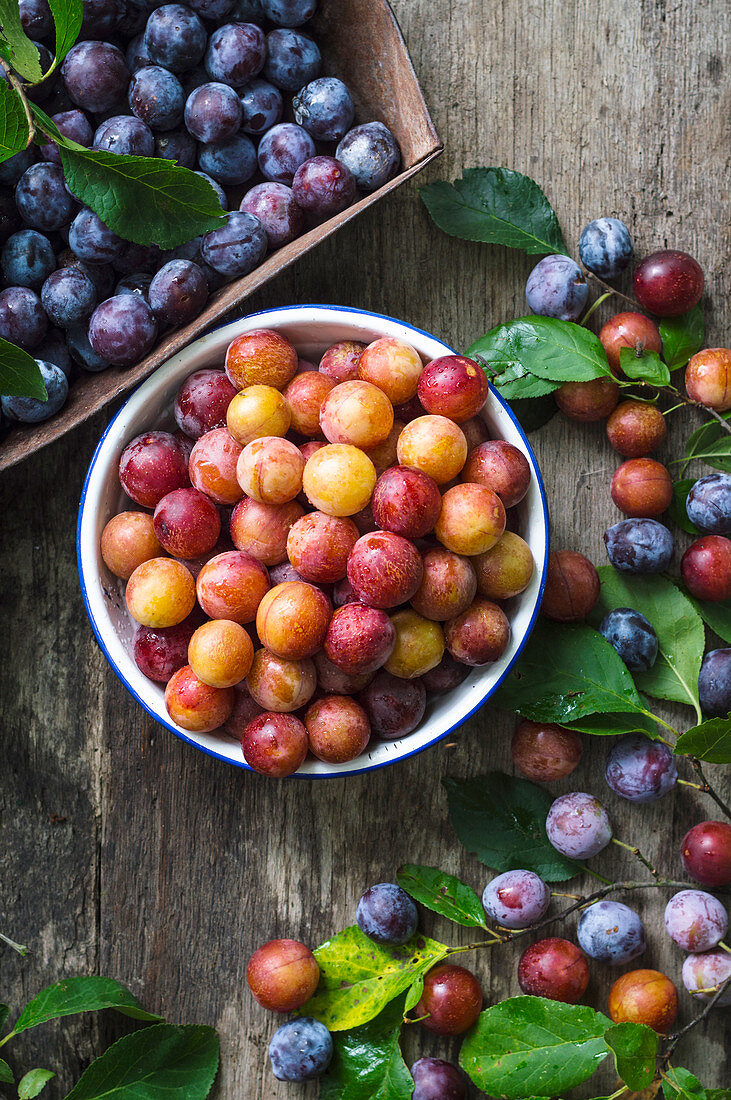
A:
(610, 289)
(675, 1038)
(638, 855)
(707, 788)
(685, 400)
(19, 947)
(12, 79)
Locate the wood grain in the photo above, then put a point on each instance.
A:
(169, 869)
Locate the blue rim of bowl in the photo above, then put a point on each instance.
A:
(180, 734)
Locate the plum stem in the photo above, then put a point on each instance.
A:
(609, 290)
(19, 947)
(638, 855)
(687, 783)
(594, 306)
(675, 1038)
(685, 400)
(707, 788)
(724, 947)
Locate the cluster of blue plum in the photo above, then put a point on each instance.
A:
(229, 88)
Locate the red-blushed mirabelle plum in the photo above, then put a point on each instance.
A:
(706, 853)
(472, 519)
(151, 466)
(453, 386)
(160, 651)
(262, 530)
(318, 546)
(475, 432)
(202, 401)
(406, 501)
(451, 1000)
(644, 997)
(448, 587)
(292, 620)
(282, 975)
(359, 639)
(357, 413)
(246, 709)
(588, 401)
(160, 592)
(278, 684)
(501, 467)
(554, 968)
(260, 357)
(668, 283)
(340, 362)
(195, 706)
(384, 569)
(275, 744)
(305, 395)
(187, 523)
(332, 679)
(394, 706)
(545, 752)
(636, 429)
(435, 445)
(642, 487)
(419, 645)
(572, 587)
(392, 365)
(446, 675)
(385, 454)
(705, 568)
(231, 586)
(311, 446)
(220, 653)
(256, 412)
(708, 378)
(629, 330)
(127, 540)
(212, 466)
(337, 728)
(478, 636)
(506, 569)
(339, 479)
(270, 470)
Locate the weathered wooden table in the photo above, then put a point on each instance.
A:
(127, 853)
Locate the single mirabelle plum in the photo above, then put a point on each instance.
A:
(706, 568)
(220, 653)
(292, 620)
(280, 685)
(572, 587)
(212, 466)
(340, 362)
(392, 365)
(187, 523)
(357, 413)
(305, 395)
(394, 706)
(385, 454)
(668, 283)
(475, 432)
(642, 487)
(706, 853)
(274, 744)
(448, 674)
(588, 401)
(406, 501)
(434, 445)
(554, 968)
(339, 479)
(333, 680)
(359, 639)
(256, 412)
(501, 467)
(644, 997)
(160, 592)
(262, 530)
(708, 378)
(384, 569)
(270, 470)
(453, 386)
(480, 635)
(160, 651)
(505, 569)
(231, 586)
(195, 706)
(451, 1000)
(636, 428)
(629, 330)
(448, 587)
(337, 728)
(260, 357)
(153, 465)
(201, 402)
(127, 540)
(545, 752)
(419, 645)
(318, 546)
(472, 519)
(282, 975)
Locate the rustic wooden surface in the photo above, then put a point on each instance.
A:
(125, 852)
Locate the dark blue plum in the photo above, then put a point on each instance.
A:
(175, 38)
(27, 259)
(261, 106)
(95, 75)
(125, 135)
(639, 546)
(236, 53)
(714, 683)
(300, 1050)
(14, 167)
(136, 283)
(138, 257)
(92, 240)
(213, 112)
(247, 11)
(237, 247)
(36, 19)
(42, 198)
(29, 410)
(639, 769)
(605, 247)
(633, 637)
(178, 292)
(82, 352)
(220, 195)
(282, 150)
(72, 124)
(387, 914)
(275, 207)
(289, 13)
(133, 21)
(53, 349)
(102, 18)
(10, 220)
(156, 97)
(101, 275)
(556, 287)
(293, 59)
(435, 1079)
(229, 162)
(123, 329)
(68, 297)
(23, 319)
(137, 55)
(611, 932)
(324, 107)
(215, 10)
(709, 504)
(323, 186)
(371, 153)
(176, 145)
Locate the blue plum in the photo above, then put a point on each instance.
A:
(175, 38)
(14, 167)
(709, 504)
(229, 162)
(300, 1050)
(23, 319)
(72, 124)
(123, 329)
(611, 932)
(323, 186)
(516, 899)
(125, 135)
(261, 106)
(215, 10)
(387, 914)
(29, 410)
(137, 55)
(220, 195)
(138, 257)
(178, 292)
(435, 1079)
(293, 59)
(282, 150)
(633, 637)
(705, 974)
(176, 145)
(92, 240)
(578, 826)
(237, 247)
(324, 108)
(81, 351)
(371, 153)
(639, 546)
(102, 18)
(289, 13)
(275, 207)
(53, 349)
(42, 198)
(556, 287)
(714, 683)
(136, 283)
(27, 259)
(156, 97)
(95, 75)
(68, 296)
(236, 53)
(247, 11)
(639, 769)
(695, 920)
(35, 18)
(10, 220)
(213, 112)
(605, 247)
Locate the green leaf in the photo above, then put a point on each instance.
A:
(566, 673)
(15, 46)
(528, 1046)
(502, 820)
(533, 413)
(20, 375)
(680, 1084)
(710, 741)
(358, 977)
(614, 725)
(635, 1048)
(682, 337)
(6, 1074)
(647, 367)
(519, 385)
(545, 347)
(33, 1083)
(367, 1061)
(443, 894)
(67, 15)
(716, 615)
(14, 130)
(495, 206)
(142, 199)
(711, 444)
(83, 994)
(680, 634)
(677, 510)
(153, 1064)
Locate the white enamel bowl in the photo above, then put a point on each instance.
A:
(311, 329)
